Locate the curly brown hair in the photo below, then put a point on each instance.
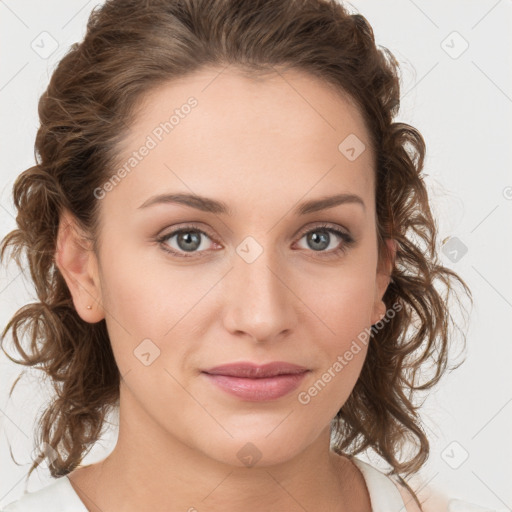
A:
(133, 46)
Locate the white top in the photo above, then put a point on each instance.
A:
(59, 496)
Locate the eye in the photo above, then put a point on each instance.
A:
(321, 237)
(188, 239)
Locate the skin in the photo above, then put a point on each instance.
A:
(261, 148)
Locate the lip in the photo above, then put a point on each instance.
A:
(253, 382)
(255, 371)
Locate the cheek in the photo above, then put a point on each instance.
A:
(341, 333)
(144, 297)
(326, 391)
(343, 295)
(344, 303)
(150, 309)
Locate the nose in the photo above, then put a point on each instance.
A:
(259, 300)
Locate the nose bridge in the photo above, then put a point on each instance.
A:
(259, 303)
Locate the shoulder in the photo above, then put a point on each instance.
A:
(409, 501)
(387, 492)
(58, 496)
(431, 500)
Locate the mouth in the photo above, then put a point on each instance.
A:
(254, 383)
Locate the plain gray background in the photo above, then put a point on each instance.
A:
(457, 90)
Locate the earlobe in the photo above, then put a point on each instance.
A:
(379, 312)
(76, 261)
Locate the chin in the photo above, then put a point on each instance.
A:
(258, 449)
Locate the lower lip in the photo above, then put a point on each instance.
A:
(256, 390)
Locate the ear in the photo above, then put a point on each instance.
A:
(78, 265)
(383, 278)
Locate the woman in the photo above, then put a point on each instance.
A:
(232, 246)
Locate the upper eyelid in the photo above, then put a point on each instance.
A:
(302, 231)
(324, 225)
(185, 227)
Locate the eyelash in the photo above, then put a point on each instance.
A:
(347, 243)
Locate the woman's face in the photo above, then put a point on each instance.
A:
(244, 282)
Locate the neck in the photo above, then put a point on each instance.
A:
(157, 471)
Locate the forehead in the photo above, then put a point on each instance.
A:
(285, 131)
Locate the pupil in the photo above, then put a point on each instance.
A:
(323, 239)
(188, 239)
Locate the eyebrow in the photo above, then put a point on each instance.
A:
(209, 205)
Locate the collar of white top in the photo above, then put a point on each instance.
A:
(384, 494)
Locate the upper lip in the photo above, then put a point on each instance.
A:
(255, 371)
